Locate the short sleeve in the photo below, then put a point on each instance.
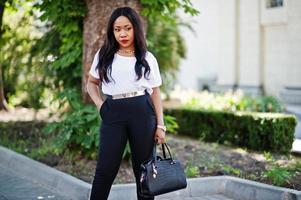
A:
(155, 78)
(93, 70)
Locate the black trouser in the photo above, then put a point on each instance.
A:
(132, 118)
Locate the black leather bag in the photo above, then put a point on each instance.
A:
(161, 175)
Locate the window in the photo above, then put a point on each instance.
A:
(274, 3)
(273, 12)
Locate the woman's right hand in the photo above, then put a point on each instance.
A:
(93, 90)
(100, 105)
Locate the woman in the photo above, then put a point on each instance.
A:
(130, 79)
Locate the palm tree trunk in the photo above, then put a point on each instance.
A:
(95, 21)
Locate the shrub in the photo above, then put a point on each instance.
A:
(231, 170)
(259, 131)
(229, 101)
(191, 171)
(278, 175)
(78, 129)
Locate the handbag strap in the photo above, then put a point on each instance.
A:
(163, 150)
(167, 147)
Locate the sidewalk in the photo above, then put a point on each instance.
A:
(296, 110)
(14, 187)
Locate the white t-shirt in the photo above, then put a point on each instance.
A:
(124, 75)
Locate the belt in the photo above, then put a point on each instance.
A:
(127, 95)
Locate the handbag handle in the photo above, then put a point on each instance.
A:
(163, 151)
(164, 155)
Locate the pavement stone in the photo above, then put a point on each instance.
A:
(297, 146)
(296, 110)
(14, 187)
(205, 197)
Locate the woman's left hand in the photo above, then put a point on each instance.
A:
(160, 136)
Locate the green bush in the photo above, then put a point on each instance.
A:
(231, 170)
(259, 131)
(191, 170)
(278, 175)
(78, 129)
(232, 101)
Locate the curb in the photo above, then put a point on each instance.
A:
(296, 146)
(49, 177)
(75, 189)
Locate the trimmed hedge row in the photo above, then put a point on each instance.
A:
(258, 131)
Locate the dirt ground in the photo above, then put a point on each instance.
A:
(210, 159)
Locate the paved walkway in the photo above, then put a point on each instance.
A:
(296, 110)
(14, 187)
(207, 197)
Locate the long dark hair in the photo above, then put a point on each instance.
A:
(110, 45)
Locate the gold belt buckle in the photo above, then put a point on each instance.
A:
(125, 95)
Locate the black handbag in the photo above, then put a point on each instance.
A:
(161, 175)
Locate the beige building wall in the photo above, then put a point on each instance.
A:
(226, 68)
(249, 42)
(275, 59)
(253, 45)
(202, 44)
(281, 46)
(294, 43)
(275, 47)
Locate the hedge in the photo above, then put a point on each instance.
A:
(258, 131)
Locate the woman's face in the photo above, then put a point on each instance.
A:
(124, 32)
